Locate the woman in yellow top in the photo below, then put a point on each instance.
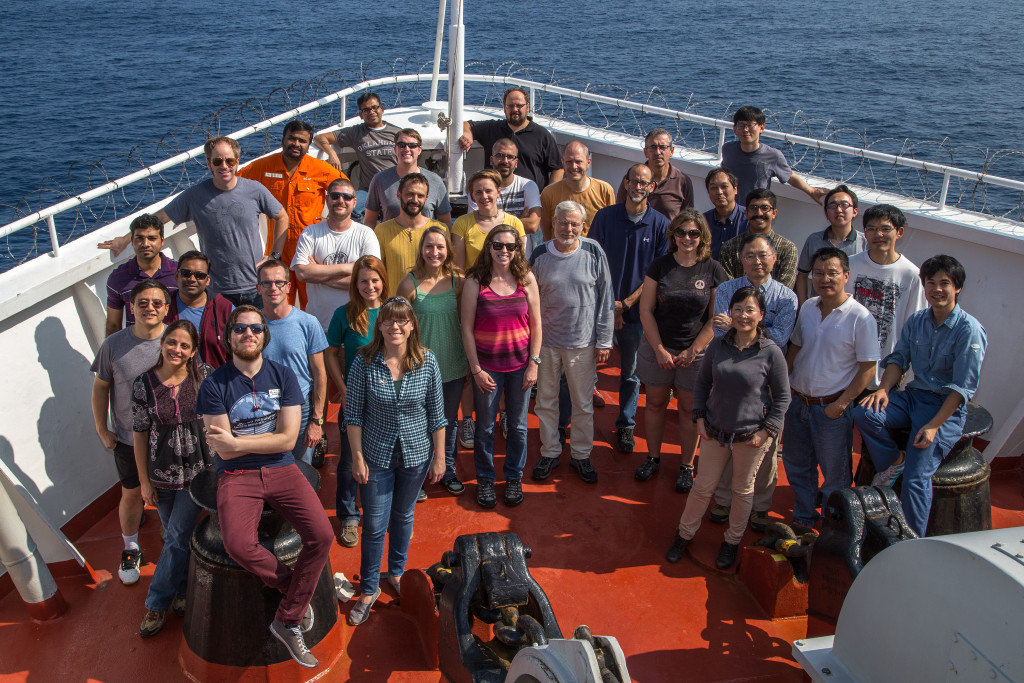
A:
(470, 231)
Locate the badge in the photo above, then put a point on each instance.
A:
(274, 393)
(699, 284)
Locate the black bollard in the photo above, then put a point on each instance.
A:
(960, 488)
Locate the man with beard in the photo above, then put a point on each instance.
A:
(381, 202)
(208, 313)
(251, 407)
(632, 234)
(400, 238)
(518, 196)
(326, 251)
(149, 264)
(592, 194)
(761, 211)
(538, 152)
(673, 190)
(299, 182)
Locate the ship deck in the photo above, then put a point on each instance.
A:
(598, 552)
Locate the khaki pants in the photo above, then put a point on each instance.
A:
(764, 483)
(580, 368)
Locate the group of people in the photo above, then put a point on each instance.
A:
(409, 321)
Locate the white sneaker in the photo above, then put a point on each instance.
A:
(889, 475)
(466, 431)
(128, 572)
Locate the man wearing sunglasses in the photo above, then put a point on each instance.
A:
(299, 182)
(326, 251)
(382, 198)
(208, 313)
(761, 211)
(148, 239)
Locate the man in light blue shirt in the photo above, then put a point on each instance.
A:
(945, 347)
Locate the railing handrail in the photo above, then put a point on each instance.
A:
(722, 124)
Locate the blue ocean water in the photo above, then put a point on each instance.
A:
(81, 79)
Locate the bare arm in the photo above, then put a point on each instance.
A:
(533, 302)
(280, 230)
(531, 219)
(815, 193)
(703, 338)
(318, 401)
(800, 289)
(100, 408)
(228, 446)
(926, 434)
(648, 298)
(141, 451)
(791, 356)
(325, 144)
(333, 364)
(360, 472)
(370, 217)
(466, 139)
(115, 316)
(556, 175)
(459, 246)
(850, 394)
(406, 289)
(335, 275)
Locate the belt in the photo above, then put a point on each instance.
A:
(816, 400)
(723, 437)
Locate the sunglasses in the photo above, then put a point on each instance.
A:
(197, 274)
(410, 145)
(692, 234)
(335, 196)
(218, 161)
(271, 284)
(155, 304)
(240, 328)
(507, 246)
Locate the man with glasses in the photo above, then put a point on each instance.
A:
(298, 181)
(326, 251)
(121, 358)
(726, 219)
(297, 341)
(632, 234)
(761, 212)
(753, 163)
(147, 234)
(840, 209)
(673, 190)
(208, 313)
(539, 159)
(518, 196)
(382, 198)
(251, 407)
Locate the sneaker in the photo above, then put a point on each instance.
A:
(889, 475)
(421, 496)
(466, 430)
(128, 572)
(585, 469)
(503, 423)
(454, 486)
(513, 492)
(152, 622)
(485, 495)
(684, 482)
(360, 612)
(727, 555)
(178, 606)
(624, 440)
(396, 583)
(647, 469)
(599, 401)
(349, 536)
(291, 637)
(542, 470)
(306, 625)
(759, 521)
(675, 553)
(719, 514)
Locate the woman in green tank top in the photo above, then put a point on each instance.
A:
(433, 288)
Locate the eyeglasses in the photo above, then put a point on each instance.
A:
(759, 256)
(879, 230)
(197, 274)
(401, 322)
(822, 275)
(502, 156)
(692, 234)
(155, 304)
(639, 182)
(658, 148)
(371, 108)
(571, 224)
(746, 126)
(270, 284)
(219, 161)
(335, 196)
(516, 105)
(410, 145)
(832, 206)
(507, 246)
(760, 208)
(255, 328)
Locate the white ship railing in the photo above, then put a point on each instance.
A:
(722, 126)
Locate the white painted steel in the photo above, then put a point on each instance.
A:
(563, 661)
(19, 554)
(438, 39)
(456, 157)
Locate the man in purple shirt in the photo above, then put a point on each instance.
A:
(149, 264)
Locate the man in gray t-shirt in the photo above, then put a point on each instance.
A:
(373, 141)
(122, 357)
(382, 200)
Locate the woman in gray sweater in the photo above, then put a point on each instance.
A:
(739, 403)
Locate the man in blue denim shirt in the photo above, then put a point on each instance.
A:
(945, 347)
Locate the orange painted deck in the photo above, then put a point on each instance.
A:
(598, 552)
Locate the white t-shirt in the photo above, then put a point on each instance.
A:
(892, 293)
(319, 244)
(520, 195)
(831, 349)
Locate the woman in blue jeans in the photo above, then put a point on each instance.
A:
(351, 328)
(170, 449)
(396, 428)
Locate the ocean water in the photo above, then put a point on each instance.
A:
(80, 79)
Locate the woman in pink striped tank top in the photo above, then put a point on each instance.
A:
(501, 332)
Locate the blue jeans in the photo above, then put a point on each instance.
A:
(910, 409)
(814, 440)
(452, 395)
(517, 404)
(252, 298)
(345, 496)
(389, 503)
(302, 451)
(628, 341)
(178, 514)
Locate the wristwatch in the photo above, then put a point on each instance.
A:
(535, 359)
(317, 421)
(276, 255)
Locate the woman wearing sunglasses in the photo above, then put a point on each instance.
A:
(502, 336)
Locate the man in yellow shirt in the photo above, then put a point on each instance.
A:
(400, 237)
(590, 193)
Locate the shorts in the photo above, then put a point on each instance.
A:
(653, 375)
(127, 471)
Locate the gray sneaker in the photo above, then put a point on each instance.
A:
(291, 637)
(466, 433)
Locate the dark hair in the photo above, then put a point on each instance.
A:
(748, 113)
(146, 221)
(720, 169)
(192, 366)
(194, 255)
(409, 133)
(297, 125)
(744, 293)
(396, 308)
(953, 268)
(505, 142)
(481, 270)
(339, 182)
(514, 88)
(150, 284)
(829, 253)
(696, 217)
(885, 212)
(836, 190)
(233, 318)
(413, 178)
(366, 97)
(355, 309)
(748, 237)
(486, 174)
(657, 132)
(271, 263)
(762, 193)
